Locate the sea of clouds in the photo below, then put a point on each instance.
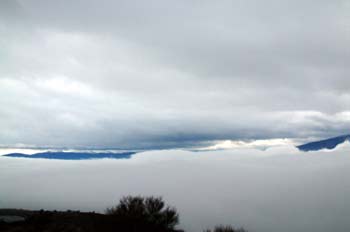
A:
(276, 189)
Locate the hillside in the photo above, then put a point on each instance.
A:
(330, 143)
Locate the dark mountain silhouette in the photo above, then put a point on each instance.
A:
(324, 144)
(74, 155)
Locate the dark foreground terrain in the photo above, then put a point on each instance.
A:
(131, 214)
(69, 221)
(52, 221)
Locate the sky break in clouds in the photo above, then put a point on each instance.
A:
(165, 74)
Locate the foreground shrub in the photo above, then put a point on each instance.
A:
(226, 229)
(146, 212)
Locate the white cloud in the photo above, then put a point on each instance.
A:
(258, 144)
(63, 85)
(280, 189)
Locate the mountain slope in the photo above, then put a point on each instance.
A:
(324, 144)
(75, 155)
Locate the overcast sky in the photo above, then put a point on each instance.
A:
(157, 73)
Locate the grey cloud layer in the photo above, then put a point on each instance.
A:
(161, 73)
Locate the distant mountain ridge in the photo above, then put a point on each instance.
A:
(74, 155)
(330, 143)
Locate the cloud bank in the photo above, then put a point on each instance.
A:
(158, 74)
(279, 189)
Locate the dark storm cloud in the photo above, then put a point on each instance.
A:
(172, 73)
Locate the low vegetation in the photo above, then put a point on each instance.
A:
(131, 214)
(225, 229)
